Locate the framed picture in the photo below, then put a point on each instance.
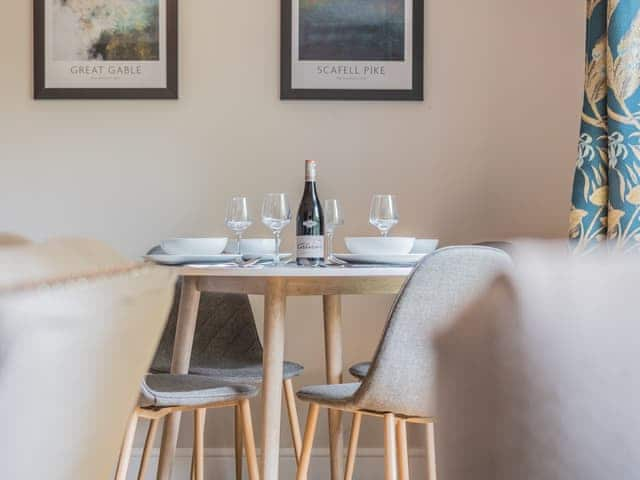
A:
(105, 49)
(352, 49)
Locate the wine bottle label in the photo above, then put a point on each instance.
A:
(310, 246)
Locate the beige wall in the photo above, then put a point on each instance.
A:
(489, 154)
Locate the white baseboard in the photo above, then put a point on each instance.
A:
(219, 464)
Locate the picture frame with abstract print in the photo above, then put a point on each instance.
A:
(106, 49)
(352, 50)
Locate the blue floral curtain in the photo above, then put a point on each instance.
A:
(606, 188)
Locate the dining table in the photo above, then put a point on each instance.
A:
(276, 283)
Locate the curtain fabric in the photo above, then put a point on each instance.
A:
(606, 188)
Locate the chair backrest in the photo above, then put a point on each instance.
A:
(538, 378)
(499, 244)
(74, 345)
(402, 375)
(226, 334)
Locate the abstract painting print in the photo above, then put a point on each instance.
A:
(358, 30)
(109, 30)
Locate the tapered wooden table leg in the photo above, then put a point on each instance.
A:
(332, 307)
(185, 329)
(273, 357)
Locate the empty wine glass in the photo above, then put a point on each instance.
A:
(237, 218)
(384, 213)
(333, 217)
(276, 214)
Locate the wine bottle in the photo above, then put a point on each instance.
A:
(310, 222)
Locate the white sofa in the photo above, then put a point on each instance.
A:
(78, 327)
(537, 378)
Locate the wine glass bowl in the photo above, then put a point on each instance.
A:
(333, 218)
(276, 215)
(384, 213)
(237, 218)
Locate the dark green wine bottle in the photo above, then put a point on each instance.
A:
(310, 222)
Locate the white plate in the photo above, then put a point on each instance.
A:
(166, 259)
(405, 259)
(269, 256)
(425, 245)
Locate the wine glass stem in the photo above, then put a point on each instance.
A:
(329, 245)
(238, 240)
(276, 257)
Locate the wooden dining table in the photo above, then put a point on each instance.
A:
(276, 283)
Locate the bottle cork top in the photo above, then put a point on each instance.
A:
(310, 170)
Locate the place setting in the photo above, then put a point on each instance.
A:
(316, 225)
(238, 252)
(382, 250)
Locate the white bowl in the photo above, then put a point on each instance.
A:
(425, 245)
(379, 245)
(253, 246)
(194, 246)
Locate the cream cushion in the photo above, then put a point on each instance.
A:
(12, 239)
(24, 263)
(72, 353)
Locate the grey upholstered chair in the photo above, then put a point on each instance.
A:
(399, 385)
(499, 244)
(360, 369)
(227, 348)
(162, 394)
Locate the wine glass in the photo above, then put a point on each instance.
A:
(333, 217)
(276, 214)
(237, 218)
(384, 213)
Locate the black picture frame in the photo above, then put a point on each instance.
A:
(170, 92)
(289, 93)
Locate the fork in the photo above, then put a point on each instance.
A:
(247, 263)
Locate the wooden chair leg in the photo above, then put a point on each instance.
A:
(148, 448)
(402, 450)
(237, 416)
(390, 460)
(192, 474)
(431, 452)
(294, 422)
(353, 445)
(307, 445)
(198, 443)
(249, 440)
(127, 446)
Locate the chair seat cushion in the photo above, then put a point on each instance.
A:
(249, 372)
(340, 394)
(164, 390)
(360, 370)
